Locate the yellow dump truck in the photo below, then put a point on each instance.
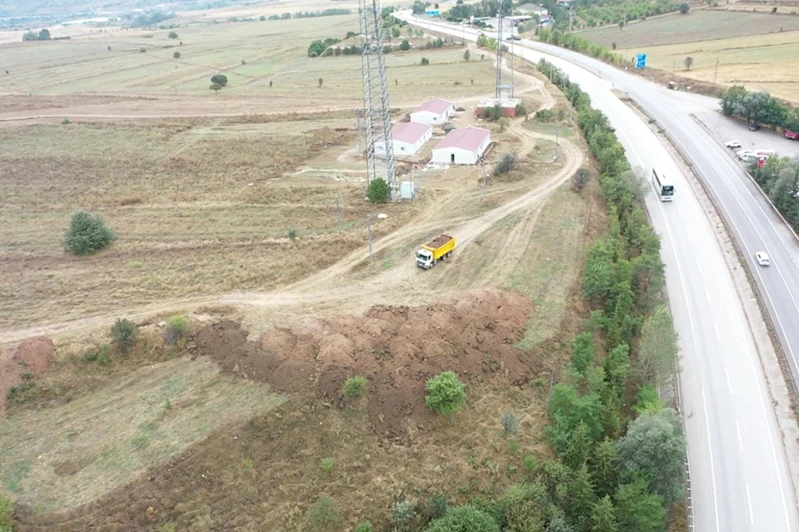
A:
(440, 248)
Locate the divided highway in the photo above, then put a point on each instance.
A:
(740, 479)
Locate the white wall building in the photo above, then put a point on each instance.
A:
(462, 146)
(433, 113)
(407, 138)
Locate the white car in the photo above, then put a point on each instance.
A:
(762, 258)
(744, 154)
(733, 144)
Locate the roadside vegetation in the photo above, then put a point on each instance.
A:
(575, 42)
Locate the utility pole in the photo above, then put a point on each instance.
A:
(338, 215)
(716, 71)
(485, 175)
(369, 233)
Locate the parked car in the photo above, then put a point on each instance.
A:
(743, 154)
(733, 144)
(754, 128)
(762, 258)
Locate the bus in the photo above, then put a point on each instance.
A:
(663, 186)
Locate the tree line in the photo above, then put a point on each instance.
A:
(577, 43)
(779, 179)
(759, 108)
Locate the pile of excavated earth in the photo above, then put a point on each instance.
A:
(396, 348)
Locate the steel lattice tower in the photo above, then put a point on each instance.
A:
(376, 111)
(503, 89)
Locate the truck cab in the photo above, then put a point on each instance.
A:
(424, 259)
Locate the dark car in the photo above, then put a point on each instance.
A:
(754, 128)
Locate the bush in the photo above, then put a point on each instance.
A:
(401, 514)
(544, 115)
(364, 526)
(87, 233)
(424, 62)
(445, 394)
(292, 234)
(510, 424)
(176, 329)
(507, 163)
(378, 191)
(6, 510)
(66, 121)
(101, 355)
(173, 35)
(436, 507)
(464, 519)
(405, 45)
(176, 55)
(580, 178)
(216, 87)
(327, 465)
(324, 516)
(684, 7)
(219, 79)
(354, 387)
(124, 333)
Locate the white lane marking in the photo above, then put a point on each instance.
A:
(718, 336)
(707, 295)
(740, 440)
(699, 265)
(749, 500)
(729, 385)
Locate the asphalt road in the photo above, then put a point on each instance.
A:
(740, 480)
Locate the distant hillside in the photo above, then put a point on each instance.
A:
(65, 8)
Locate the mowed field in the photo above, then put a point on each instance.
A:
(251, 54)
(757, 50)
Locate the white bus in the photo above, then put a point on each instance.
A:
(663, 186)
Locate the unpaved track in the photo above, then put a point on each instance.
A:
(335, 287)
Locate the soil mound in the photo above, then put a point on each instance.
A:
(32, 356)
(396, 348)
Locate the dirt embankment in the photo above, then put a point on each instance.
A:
(31, 358)
(396, 348)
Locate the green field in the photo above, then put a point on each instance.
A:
(700, 25)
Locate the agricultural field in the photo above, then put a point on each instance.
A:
(757, 50)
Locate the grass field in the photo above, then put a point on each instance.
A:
(250, 54)
(757, 50)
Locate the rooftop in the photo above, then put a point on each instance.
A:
(409, 132)
(502, 102)
(435, 106)
(466, 138)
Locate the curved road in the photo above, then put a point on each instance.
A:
(740, 479)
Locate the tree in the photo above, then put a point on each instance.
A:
(173, 35)
(689, 61)
(566, 411)
(320, 82)
(87, 233)
(617, 368)
(324, 516)
(402, 513)
(684, 7)
(507, 163)
(395, 32)
(654, 447)
(758, 108)
(647, 400)
(466, 55)
(405, 45)
(581, 497)
(44, 35)
(378, 191)
(464, 519)
(597, 278)
(219, 79)
(124, 333)
(604, 466)
(216, 87)
(657, 352)
(559, 524)
(637, 509)
(621, 25)
(583, 353)
(445, 394)
(436, 507)
(176, 55)
(603, 516)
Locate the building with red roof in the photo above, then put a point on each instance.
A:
(433, 113)
(462, 146)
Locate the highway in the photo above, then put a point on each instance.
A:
(739, 473)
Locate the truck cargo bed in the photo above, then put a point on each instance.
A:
(438, 241)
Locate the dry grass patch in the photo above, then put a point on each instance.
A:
(58, 458)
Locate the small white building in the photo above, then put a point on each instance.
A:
(462, 146)
(433, 113)
(407, 138)
(532, 9)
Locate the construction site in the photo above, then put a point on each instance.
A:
(243, 210)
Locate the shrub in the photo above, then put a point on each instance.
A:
(219, 79)
(684, 8)
(445, 394)
(176, 329)
(580, 178)
(436, 507)
(354, 387)
(378, 191)
(292, 234)
(364, 526)
(405, 45)
(101, 355)
(507, 163)
(324, 516)
(327, 464)
(401, 514)
(173, 35)
(65, 121)
(544, 115)
(124, 333)
(87, 233)
(216, 87)
(424, 62)
(176, 55)
(464, 519)
(142, 50)
(6, 509)
(510, 424)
